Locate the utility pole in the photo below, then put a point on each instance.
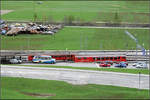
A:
(136, 50)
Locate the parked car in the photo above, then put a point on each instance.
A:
(109, 62)
(121, 65)
(104, 65)
(122, 62)
(140, 65)
(43, 59)
(15, 61)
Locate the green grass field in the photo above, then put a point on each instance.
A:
(121, 70)
(17, 88)
(78, 39)
(104, 11)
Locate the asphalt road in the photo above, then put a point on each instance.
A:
(90, 65)
(75, 76)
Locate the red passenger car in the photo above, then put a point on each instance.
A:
(100, 59)
(64, 57)
(84, 59)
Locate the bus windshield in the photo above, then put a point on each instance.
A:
(45, 58)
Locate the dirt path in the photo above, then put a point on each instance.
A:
(5, 11)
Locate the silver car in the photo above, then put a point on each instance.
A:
(15, 61)
(140, 65)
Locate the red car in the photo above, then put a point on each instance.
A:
(104, 65)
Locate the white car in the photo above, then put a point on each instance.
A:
(15, 61)
(140, 65)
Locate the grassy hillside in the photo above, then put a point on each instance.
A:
(78, 39)
(127, 11)
(22, 88)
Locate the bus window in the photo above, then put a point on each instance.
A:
(48, 58)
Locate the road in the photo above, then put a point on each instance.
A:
(90, 65)
(75, 76)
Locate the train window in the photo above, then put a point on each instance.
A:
(107, 58)
(115, 58)
(102, 58)
(118, 57)
(85, 58)
(94, 58)
(79, 58)
(98, 58)
(124, 57)
(68, 55)
(111, 58)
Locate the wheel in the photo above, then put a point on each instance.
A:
(53, 62)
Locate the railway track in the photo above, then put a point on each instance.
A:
(132, 55)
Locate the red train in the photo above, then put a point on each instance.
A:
(85, 58)
(100, 59)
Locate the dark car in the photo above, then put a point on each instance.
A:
(109, 62)
(121, 65)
